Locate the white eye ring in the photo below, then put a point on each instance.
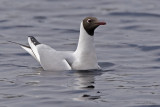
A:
(89, 20)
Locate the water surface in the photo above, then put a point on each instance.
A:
(128, 50)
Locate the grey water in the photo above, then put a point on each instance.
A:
(128, 50)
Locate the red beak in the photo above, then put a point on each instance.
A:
(101, 23)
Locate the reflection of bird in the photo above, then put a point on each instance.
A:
(85, 79)
(83, 58)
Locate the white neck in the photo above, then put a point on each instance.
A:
(85, 53)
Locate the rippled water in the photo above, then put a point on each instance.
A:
(128, 50)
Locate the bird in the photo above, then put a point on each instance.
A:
(83, 58)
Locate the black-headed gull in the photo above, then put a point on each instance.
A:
(84, 58)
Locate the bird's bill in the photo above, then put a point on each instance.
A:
(101, 23)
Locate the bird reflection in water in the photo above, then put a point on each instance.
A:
(86, 81)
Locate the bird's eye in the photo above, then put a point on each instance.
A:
(89, 21)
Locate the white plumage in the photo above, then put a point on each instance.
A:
(84, 58)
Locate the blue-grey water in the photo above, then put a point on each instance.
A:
(128, 50)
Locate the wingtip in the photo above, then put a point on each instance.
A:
(33, 40)
(30, 37)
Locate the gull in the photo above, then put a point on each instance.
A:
(83, 58)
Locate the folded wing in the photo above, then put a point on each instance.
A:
(49, 58)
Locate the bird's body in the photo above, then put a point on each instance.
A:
(84, 58)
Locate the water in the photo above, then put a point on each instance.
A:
(128, 50)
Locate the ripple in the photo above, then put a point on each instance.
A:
(135, 14)
(23, 26)
(144, 48)
(40, 17)
(127, 21)
(70, 31)
(66, 30)
(106, 64)
(131, 27)
(9, 65)
(22, 54)
(147, 106)
(16, 26)
(11, 96)
(109, 9)
(149, 48)
(2, 21)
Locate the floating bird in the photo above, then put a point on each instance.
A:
(83, 58)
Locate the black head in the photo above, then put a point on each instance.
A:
(90, 24)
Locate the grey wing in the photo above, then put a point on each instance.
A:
(47, 56)
(50, 59)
